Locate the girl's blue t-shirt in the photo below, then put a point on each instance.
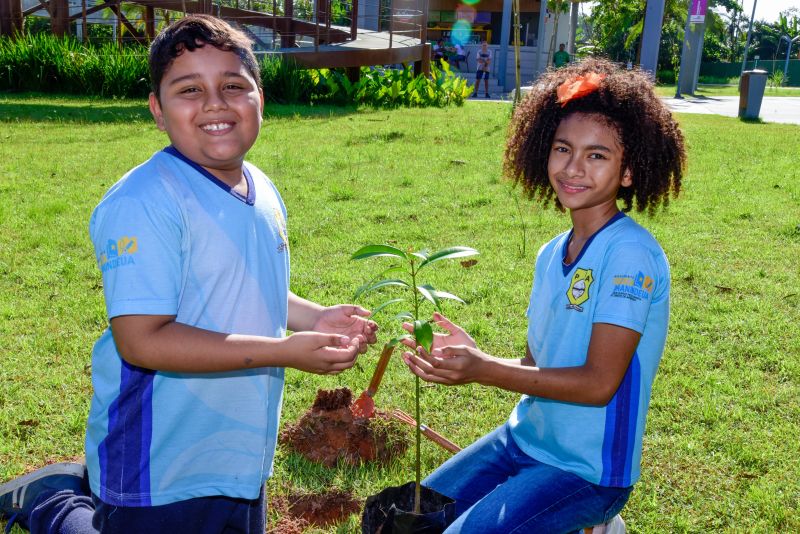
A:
(621, 277)
(171, 239)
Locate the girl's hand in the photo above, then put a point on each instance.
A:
(455, 334)
(450, 365)
(350, 321)
(318, 353)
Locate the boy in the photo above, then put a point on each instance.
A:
(484, 60)
(188, 378)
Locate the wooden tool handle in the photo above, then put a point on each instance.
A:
(439, 439)
(383, 363)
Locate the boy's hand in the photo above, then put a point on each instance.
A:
(348, 320)
(455, 334)
(318, 353)
(450, 365)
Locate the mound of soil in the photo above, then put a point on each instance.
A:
(329, 432)
(300, 511)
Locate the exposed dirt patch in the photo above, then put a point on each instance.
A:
(329, 433)
(300, 511)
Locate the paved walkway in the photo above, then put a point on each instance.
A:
(784, 109)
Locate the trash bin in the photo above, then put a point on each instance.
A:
(751, 93)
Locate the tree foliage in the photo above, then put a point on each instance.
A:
(616, 30)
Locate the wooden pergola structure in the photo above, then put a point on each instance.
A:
(333, 45)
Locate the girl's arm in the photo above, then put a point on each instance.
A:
(159, 342)
(611, 348)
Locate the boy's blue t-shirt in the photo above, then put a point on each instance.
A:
(621, 277)
(171, 239)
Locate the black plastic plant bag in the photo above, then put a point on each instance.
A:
(392, 512)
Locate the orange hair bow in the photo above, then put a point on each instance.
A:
(578, 86)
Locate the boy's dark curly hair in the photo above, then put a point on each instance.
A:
(653, 147)
(196, 31)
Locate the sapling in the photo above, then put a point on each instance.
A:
(406, 275)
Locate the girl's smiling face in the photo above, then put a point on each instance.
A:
(210, 106)
(585, 164)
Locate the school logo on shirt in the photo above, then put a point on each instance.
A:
(281, 223)
(118, 253)
(633, 287)
(578, 291)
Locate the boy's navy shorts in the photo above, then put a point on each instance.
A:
(482, 73)
(203, 515)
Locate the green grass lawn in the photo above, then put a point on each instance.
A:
(721, 452)
(728, 90)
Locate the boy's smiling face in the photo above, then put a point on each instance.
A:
(210, 107)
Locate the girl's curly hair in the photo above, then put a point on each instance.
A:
(653, 147)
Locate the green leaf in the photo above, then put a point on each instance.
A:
(445, 295)
(423, 334)
(422, 254)
(429, 293)
(381, 306)
(405, 316)
(448, 254)
(370, 251)
(383, 283)
(394, 341)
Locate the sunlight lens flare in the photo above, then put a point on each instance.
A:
(461, 32)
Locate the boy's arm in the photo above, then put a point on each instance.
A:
(345, 319)
(610, 351)
(159, 342)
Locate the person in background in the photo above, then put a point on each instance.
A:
(459, 55)
(484, 68)
(561, 57)
(439, 52)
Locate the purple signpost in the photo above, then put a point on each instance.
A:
(698, 11)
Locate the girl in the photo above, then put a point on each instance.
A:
(589, 136)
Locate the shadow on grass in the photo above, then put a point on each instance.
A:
(37, 107)
(60, 110)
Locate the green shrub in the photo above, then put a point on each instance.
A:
(776, 79)
(718, 80)
(665, 77)
(45, 63)
(285, 82)
(379, 87)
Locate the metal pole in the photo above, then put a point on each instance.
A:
(685, 39)
(786, 63)
(540, 38)
(517, 26)
(391, 21)
(505, 37)
(746, 46)
(353, 19)
(85, 28)
(573, 28)
(316, 25)
(651, 36)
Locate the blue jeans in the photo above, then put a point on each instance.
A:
(500, 489)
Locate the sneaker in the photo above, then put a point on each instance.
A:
(18, 496)
(487, 95)
(615, 526)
